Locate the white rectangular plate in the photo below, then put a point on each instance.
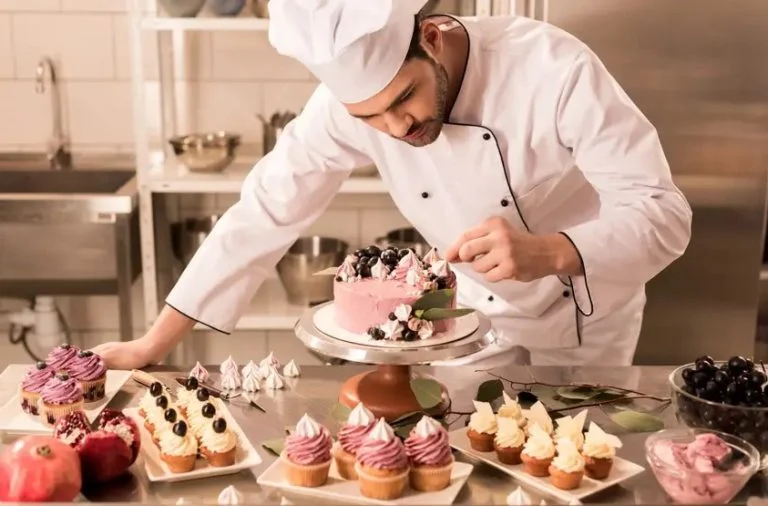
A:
(622, 470)
(246, 455)
(15, 421)
(348, 491)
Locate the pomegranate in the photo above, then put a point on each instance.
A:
(112, 420)
(104, 456)
(39, 469)
(72, 428)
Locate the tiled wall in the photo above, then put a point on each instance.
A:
(230, 77)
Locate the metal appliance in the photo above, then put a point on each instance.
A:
(697, 70)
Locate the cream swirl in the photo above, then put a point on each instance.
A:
(483, 420)
(427, 444)
(382, 449)
(291, 370)
(199, 372)
(416, 277)
(431, 257)
(310, 444)
(228, 365)
(61, 389)
(379, 270)
(568, 458)
(539, 445)
(36, 377)
(178, 446)
(440, 269)
(359, 423)
(600, 445)
(219, 442)
(270, 361)
(60, 357)
(251, 368)
(251, 383)
(274, 381)
(511, 409)
(409, 261)
(509, 433)
(231, 380)
(147, 401)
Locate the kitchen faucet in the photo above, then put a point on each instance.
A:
(59, 154)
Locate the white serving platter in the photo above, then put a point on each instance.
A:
(348, 491)
(15, 421)
(622, 470)
(325, 322)
(246, 455)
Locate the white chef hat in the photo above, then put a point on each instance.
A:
(354, 47)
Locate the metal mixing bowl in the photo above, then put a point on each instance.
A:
(307, 256)
(206, 152)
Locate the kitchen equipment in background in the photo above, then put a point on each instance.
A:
(182, 8)
(273, 127)
(260, 8)
(226, 7)
(206, 152)
(305, 257)
(404, 238)
(189, 234)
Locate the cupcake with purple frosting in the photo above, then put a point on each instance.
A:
(31, 386)
(60, 395)
(89, 369)
(60, 358)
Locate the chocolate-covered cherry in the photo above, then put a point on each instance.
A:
(40, 365)
(219, 425)
(208, 410)
(155, 389)
(170, 415)
(161, 402)
(180, 428)
(191, 383)
(202, 394)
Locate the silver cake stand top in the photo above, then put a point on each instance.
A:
(328, 345)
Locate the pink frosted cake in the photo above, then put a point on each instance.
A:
(378, 292)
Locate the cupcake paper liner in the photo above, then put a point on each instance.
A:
(345, 462)
(536, 467)
(382, 487)
(597, 469)
(29, 402)
(563, 480)
(219, 459)
(430, 478)
(480, 441)
(179, 463)
(314, 475)
(94, 391)
(509, 456)
(49, 413)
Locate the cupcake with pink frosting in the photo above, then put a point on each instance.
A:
(61, 357)
(430, 456)
(382, 464)
(351, 435)
(89, 369)
(307, 455)
(34, 380)
(60, 395)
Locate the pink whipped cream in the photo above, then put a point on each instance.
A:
(61, 390)
(60, 357)
(432, 450)
(694, 475)
(309, 450)
(36, 378)
(87, 368)
(383, 455)
(351, 437)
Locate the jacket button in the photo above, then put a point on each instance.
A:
(486, 136)
(504, 202)
(490, 298)
(566, 293)
(424, 195)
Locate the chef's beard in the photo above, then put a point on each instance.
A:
(433, 125)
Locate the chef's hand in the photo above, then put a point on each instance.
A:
(124, 355)
(499, 251)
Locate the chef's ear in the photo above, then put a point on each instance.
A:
(431, 38)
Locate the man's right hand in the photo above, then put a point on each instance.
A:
(125, 355)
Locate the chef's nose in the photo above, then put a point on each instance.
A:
(398, 124)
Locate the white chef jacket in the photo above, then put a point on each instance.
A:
(540, 134)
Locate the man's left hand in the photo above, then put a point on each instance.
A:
(499, 251)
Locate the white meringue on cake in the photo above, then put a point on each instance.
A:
(230, 495)
(291, 370)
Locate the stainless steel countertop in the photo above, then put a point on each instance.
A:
(315, 392)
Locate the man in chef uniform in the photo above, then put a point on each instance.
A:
(503, 140)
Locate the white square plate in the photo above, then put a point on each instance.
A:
(15, 421)
(348, 491)
(246, 455)
(622, 470)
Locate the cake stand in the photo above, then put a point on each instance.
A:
(386, 390)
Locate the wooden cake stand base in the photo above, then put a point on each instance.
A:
(386, 392)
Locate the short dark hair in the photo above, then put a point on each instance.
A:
(415, 50)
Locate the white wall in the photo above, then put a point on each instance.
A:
(231, 77)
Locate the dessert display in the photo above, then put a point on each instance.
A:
(89, 369)
(482, 427)
(538, 452)
(430, 456)
(307, 455)
(567, 468)
(351, 435)
(599, 451)
(34, 380)
(509, 440)
(382, 464)
(61, 394)
(572, 428)
(199, 372)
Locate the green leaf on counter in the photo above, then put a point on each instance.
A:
(578, 393)
(436, 313)
(339, 412)
(274, 446)
(636, 421)
(403, 431)
(438, 298)
(407, 417)
(610, 395)
(489, 391)
(428, 392)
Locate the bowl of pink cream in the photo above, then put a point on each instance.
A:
(699, 466)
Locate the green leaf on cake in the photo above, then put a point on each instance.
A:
(489, 391)
(438, 298)
(403, 431)
(636, 421)
(428, 392)
(437, 313)
(339, 412)
(274, 446)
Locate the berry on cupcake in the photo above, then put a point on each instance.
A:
(567, 468)
(509, 441)
(218, 444)
(538, 452)
(599, 451)
(351, 435)
(382, 464)
(482, 427)
(61, 357)
(430, 456)
(60, 395)
(89, 369)
(147, 401)
(307, 455)
(572, 428)
(34, 380)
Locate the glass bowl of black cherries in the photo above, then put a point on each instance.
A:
(728, 396)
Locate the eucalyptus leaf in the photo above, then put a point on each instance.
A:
(578, 393)
(274, 446)
(489, 391)
(436, 314)
(611, 395)
(400, 420)
(526, 398)
(436, 299)
(636, 421)
(428, 392)
(339, 412)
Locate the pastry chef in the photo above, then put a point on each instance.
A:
(503, 140)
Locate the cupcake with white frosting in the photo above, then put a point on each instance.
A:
(567, 468)
(538, 452)
(509, 441)
(599, 451)
(511, 409)
(178, 448)
(538, 415)
(572, 428)
(218, 444)
(482, 427)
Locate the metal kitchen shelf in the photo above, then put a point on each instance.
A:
(211, 24)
